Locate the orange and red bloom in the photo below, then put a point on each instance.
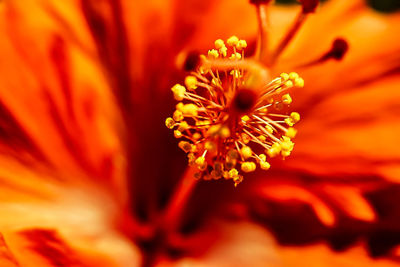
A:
(90, 176)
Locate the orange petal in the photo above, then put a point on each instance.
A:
(54, 90)
(75, 219)
(46, 247)
(353, 132)
(287, 192)
(245, 244)
(350, 200)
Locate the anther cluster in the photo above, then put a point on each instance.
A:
(221, 139)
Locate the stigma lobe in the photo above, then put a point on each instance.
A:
(309, 6)
(338, 50)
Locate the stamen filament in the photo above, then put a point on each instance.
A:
(301, 17)
(262, 18)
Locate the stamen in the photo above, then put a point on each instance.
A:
(308, 6)
(262, 18)
(231, 116)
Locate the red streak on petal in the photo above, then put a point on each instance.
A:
(6, 256)
(52, 247)
(13, 136)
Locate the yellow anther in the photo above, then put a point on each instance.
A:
(232, 41)
(185, 146)
(286, 99)
(264, 110)
(191, 159)
(233, 173)
(178, 115)
(213, 130)
(248, 166)
(274, 150)
(245, 138)
(200, 163)
(191, 82)
(179, 106)
(291, 132)
(170, 123)
(269, 129)
(245, 118)
(223, 51)
(210, 146)
(284, 76)
(286, 153)
(262, 138)
(235, 73)
(196, 136)
(219, 44)
(225, 132)
(190, 109)
(177, 134)
(295, 116)
(289, 83)
(264, 165)
(238, 179)
(216, 81)
(183, 126)
(262, 157)
(287, 145)
(289, 121)
(235, 56)
(202, 123)
(194, 149)
(276, 146)
(293, 75)
(213, 53)
(219, 130)
(246, 152)
(299, 82)
(241, 44)
(179, 91)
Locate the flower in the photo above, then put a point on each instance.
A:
(232, 114)
(88, 167)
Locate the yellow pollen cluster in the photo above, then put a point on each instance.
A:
(221, 141)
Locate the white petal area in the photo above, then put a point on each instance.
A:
(82, 215)
(246, 244)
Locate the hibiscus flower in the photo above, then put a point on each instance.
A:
(90, 176)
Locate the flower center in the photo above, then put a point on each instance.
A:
(230, 120)
(244, 100)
